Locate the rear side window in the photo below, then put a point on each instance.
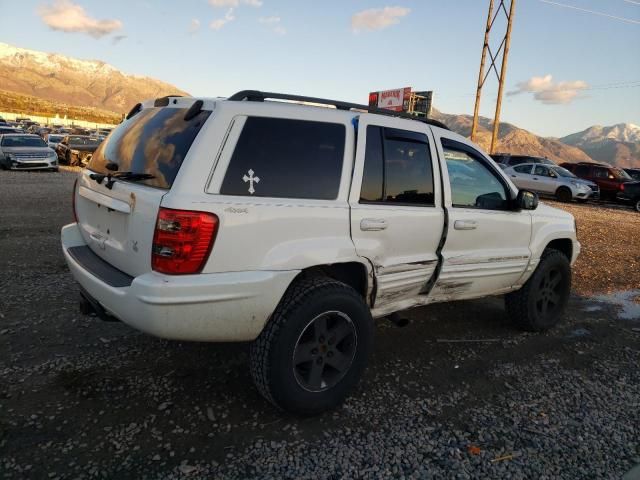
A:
(517, 160)
(154, 141)
(523, 169)
(582, 171)
(397, 168)
(286, 158)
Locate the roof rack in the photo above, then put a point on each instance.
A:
(258, 96)
(593, 163)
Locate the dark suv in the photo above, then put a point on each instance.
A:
(609, 179)
(505, 160)
(633, 173)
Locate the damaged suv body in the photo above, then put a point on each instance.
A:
(294, 226)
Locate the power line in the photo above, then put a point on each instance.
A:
(593, 12)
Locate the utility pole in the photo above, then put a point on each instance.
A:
(482, 76)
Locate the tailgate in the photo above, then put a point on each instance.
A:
(118, 224)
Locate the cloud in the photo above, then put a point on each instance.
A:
(274, 24)
(66, 16)
(234, 3)
(547, 91)
(194, 26)
(221, 22)
(377, 18)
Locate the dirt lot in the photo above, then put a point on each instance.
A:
(458, 393)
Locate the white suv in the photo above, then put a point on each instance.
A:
(293, 226)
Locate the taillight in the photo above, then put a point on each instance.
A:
(182, 241)
(622, 186)
(73, 200)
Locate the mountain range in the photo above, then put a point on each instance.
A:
(99, 86)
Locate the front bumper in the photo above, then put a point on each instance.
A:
(40, 164)
(215, 307)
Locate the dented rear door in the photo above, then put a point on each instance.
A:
(396, 213)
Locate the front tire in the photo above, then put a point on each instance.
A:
(636, 204)
(563, 194)
(540, 303)
(314, 348)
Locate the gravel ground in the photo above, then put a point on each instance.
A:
(458, 393)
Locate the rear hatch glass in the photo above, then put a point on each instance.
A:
(155, 141)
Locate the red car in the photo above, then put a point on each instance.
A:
(609, 179)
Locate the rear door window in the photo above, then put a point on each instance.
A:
(523, 169)
(154, 141)
(397, 168)
(582, 171)
(284, 158)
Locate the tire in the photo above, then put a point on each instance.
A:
(563, 194)
(636, 204)
(539, 304)
(286, 357)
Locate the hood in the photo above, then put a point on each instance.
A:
(584, 181)
(26, 150)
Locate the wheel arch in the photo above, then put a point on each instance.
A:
(563, 245)
(354, 273)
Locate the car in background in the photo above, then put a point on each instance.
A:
(6, 129)
(633, 172)
(53, 139)
(553, 181)
(26, 152)
(630, 194)
(609, 179)
(77, 150)
(505, 160)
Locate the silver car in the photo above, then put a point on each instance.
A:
(554, 181)
(26, 152)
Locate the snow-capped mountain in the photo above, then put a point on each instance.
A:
(76, 82)
(617, 144)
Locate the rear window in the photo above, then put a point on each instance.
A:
(285, 158)
(154, 141)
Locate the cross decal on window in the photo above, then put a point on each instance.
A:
(251, 179)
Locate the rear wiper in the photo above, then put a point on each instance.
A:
(132, 176)
(111, 177)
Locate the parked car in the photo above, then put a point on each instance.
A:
(630, 194)
(609, 179)
(554, 181)
(26, 152)
(505, 160)
(4, 130)
(634, 173)
(53, 139)
(76, 150)
(293, 226)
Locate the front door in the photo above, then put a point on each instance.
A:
(396, 209)
(487, 245)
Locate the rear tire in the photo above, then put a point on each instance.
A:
(636, 204)
(563, 194)
(540, 303)
(314, 348)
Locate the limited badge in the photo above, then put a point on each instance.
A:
(251, 178)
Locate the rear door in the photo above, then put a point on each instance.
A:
(396, 213)
(521, 176)
(544, 181)
(117, 219)
(487, 245)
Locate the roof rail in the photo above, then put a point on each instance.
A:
(594, 163)
(258, 96)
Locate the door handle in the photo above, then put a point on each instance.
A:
(373, 224)
(513, 176)
(465, 225)
(535, 178)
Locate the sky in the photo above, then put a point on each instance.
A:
(568, 68)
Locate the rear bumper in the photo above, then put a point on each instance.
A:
(219, 307)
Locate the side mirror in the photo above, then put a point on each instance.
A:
(527, 200)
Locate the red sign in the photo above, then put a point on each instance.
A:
(395, 100)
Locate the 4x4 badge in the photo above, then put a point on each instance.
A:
(251, 179)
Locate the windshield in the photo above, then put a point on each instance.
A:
(621, 174)
(563, 172)
(25, 141)
(154, 141)
(75, 140)
(55, 138)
